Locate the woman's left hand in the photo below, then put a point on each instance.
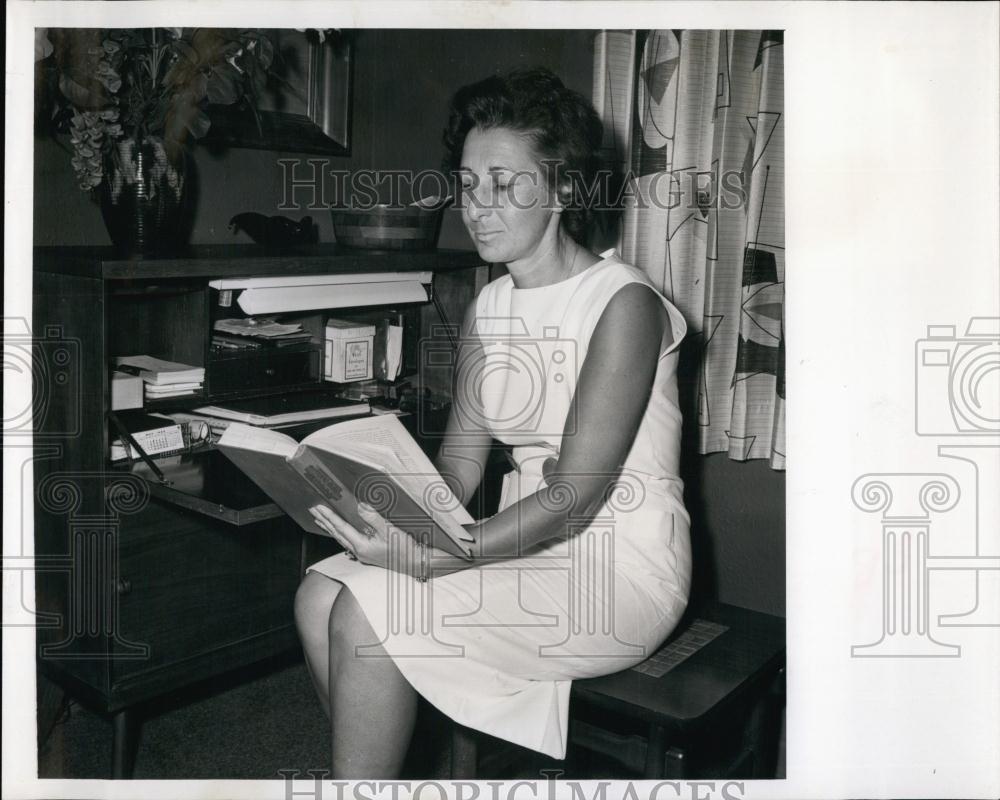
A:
(370, 545)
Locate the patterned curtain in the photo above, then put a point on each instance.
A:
(694, 121)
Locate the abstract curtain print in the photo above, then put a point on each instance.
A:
(694, 120)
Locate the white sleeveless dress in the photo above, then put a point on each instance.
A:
(496, 647)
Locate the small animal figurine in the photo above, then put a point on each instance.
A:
(275, 231)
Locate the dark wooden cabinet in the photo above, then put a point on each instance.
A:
(144, 587)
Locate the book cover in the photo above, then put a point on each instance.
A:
(342, 465)
(159, 371)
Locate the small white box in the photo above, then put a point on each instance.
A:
(126, 391)
(348, 351)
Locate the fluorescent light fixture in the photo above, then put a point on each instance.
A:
(275, 294)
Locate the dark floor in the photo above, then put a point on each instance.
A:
(252, 728)
(255, 725)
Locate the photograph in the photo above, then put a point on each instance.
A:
(572, 353)
(398, 402)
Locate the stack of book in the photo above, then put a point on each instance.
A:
(163, 379)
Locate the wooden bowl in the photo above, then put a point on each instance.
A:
(385, 227)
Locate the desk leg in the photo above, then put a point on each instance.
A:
(676, 764)
(656, 745)
(763, 731)
(123, 745)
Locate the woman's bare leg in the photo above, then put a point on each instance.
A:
(372, 707)
(313, 603)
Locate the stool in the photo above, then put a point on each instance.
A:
(706, 704)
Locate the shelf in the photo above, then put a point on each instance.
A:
(207, 482)
(230, 261)
(180, 403)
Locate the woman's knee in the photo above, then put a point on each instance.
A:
(349, 627)
(313, 601)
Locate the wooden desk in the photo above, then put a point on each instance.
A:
(143, 588)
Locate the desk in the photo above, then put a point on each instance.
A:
(143, 588)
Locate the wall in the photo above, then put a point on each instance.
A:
(738, 530)
(403, 81)
(399, 114)
(411, 103)
(228, 182)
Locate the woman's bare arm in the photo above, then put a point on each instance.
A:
(610, 399)
(461, 458)
(607, 408)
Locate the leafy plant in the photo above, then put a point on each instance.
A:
(147, 82)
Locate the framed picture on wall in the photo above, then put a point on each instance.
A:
(306, 107)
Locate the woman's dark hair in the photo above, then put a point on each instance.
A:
(561, 124)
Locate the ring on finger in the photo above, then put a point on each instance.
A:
(369, 531)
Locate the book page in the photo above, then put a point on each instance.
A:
(371, 437)
(445, 508)
(385, 431)
(378, 457)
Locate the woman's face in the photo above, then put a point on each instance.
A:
(505, 202)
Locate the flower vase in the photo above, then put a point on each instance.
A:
(142, 197)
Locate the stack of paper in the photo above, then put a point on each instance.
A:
(258, 327)
(162, 379)
(252, 332)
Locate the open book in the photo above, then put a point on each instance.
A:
(371, 459)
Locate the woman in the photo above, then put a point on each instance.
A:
(571, 358)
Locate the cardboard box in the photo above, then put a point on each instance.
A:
(348, 351)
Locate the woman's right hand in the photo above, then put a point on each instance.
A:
(373, 544)
(335, 525)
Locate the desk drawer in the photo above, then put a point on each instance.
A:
(188, 586)
(268, 369)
